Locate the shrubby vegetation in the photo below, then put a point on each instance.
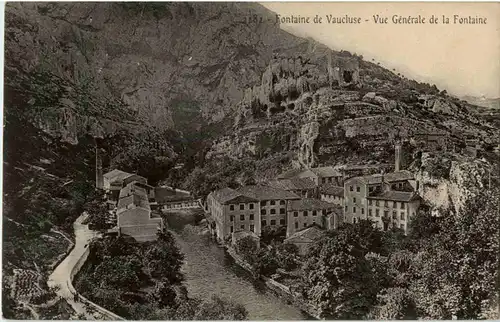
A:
(445, 267)
(143, 281)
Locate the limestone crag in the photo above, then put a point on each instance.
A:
(458, 179)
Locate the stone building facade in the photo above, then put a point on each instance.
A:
(134, 215)
(307, 212)
(364, 197)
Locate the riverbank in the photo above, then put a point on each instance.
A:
(280, 290)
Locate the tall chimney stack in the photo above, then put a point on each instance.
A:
(99, 179)
(397, 154)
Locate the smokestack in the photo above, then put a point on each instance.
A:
(99, 179)
(397, 154)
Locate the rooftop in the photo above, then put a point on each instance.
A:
(293, 184)
(224, 195)
(395, 196)
(132, 188)
(330, 189)
(309, 204)
(133, 200)
(306, 235)
(326, 172)
(261, 192)
(388, 177)
(114, 174)
(290, 174)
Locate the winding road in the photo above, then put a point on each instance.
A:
(61, 277)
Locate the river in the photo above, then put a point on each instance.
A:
(208, 270)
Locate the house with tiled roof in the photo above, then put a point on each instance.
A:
(134, 215)
(304, 187)
(332, 193)
(309, 211)
(115, 180)
(304, 238)
(318, 175)
(381, 197)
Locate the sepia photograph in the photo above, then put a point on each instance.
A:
(251, 161)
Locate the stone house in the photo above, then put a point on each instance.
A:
(115, 180)
(396, 188)
(134, 216)
(304, 238)
(306, 212)
(393, 209)
(304, 187)
(331, 193)
(318, 175)
(249, 208)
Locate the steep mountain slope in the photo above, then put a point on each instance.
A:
(152, 84)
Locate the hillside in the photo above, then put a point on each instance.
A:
(155, 84)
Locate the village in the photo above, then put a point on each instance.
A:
(300, 202)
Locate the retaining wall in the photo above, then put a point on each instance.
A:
(78, 266)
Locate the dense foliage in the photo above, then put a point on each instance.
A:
(446, 267)
(142, 281)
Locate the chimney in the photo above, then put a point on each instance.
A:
(99, 179)
(397, 154)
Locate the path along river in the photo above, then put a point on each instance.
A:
(210, 270)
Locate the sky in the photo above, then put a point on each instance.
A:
(464, 59)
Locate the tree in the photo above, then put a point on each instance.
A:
(340, 282)
(467, 245)
(163, 259)
(247, 247)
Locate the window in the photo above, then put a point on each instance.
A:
(324, 211)
(263, 203)
(402, 206)
(394, 215)
(231, 218)
(251, 216)
(376, 202)
(251, 206)
(370, 212)
(273, 202)
(345, 208)
(231, 229)
(314, 213)
(377, 213)
(263, 223)
(354, 220)
(351, 188)
(402, 216)
(304, 213)
(370, 189)
(263, 212)
(323, 180)
(358, 189)
(242, 217)
(273, 211)
(282, 222)
(402, 226)
(282, 211)
(282, 202)
(242, 207)
(354, 209)
(296, 225)
(295, 213)
(242, 227)
(354, 199)
(386, 214)
(370, 202)
(362, 211)
(273, 222)
(252, 228)
(231, 207)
